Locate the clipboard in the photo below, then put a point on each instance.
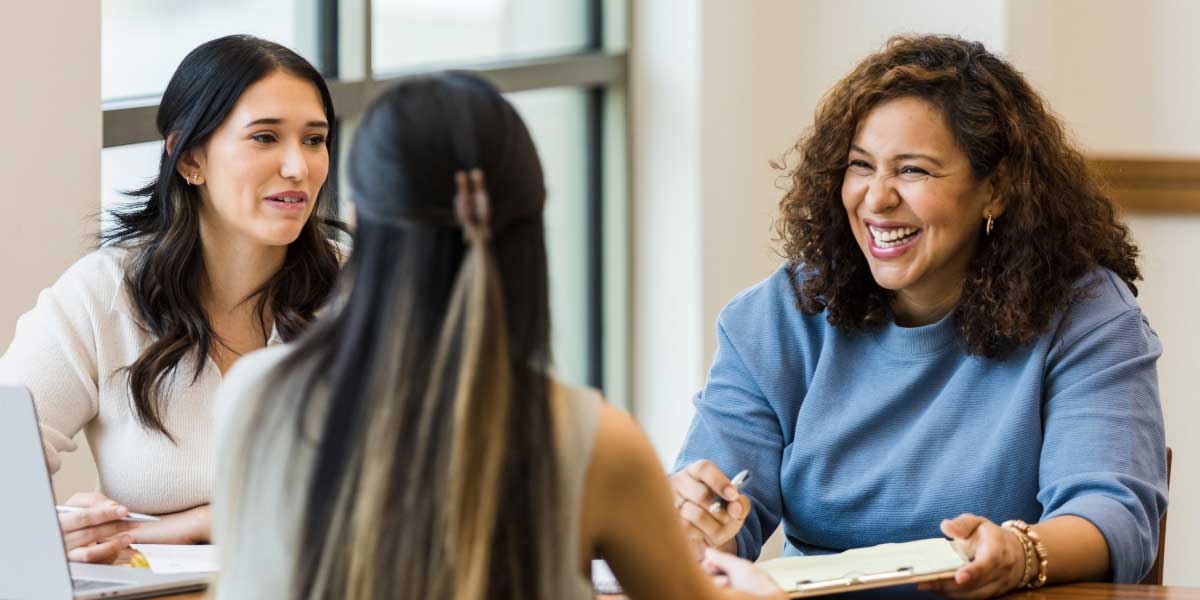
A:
(866, 568)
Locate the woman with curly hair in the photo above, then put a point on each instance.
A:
(953, 343)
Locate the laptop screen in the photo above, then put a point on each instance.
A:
(36, 565)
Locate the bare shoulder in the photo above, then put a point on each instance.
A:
(622, 455)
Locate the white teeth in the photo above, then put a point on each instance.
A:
(891, 236)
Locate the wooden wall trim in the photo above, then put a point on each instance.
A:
(1151, 185)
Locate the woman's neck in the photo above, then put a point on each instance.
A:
(914, 308)
(236, 268)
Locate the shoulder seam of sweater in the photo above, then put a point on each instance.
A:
(1066, 345)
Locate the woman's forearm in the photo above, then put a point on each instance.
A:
(192, 526)
(1076, 548)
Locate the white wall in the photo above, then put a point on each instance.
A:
(719, 87)
(665, 224)
(49, 163)
(1126, 83)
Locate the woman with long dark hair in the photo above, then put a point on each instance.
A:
(954, 346)
(224, 252)
(414, 444)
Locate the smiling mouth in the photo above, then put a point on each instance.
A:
(286, 199)
(890, 237)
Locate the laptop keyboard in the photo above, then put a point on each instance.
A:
(88, 585)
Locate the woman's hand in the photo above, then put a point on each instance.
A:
(696, 487)
(96, 534)
(740, 574)
(192, 526)
(997, 559)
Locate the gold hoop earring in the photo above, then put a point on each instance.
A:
(987, 229)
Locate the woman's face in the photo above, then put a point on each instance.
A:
(260, 172)
(913, 203)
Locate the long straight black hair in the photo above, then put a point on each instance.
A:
(163, 226)
(434, 469)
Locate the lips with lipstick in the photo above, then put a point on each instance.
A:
(289, 200)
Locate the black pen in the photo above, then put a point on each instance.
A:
(738, 481)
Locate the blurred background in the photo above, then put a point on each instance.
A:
(656, 121)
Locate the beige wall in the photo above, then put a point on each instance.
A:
(715, 99)
(50, 163)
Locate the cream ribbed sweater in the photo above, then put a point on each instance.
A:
(70, 351)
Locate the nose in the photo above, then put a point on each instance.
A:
(881, 194)
(294, 165)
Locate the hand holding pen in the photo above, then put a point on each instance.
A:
(739, 480)
(711, 506)
(95, 528)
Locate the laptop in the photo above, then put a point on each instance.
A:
(33, 563)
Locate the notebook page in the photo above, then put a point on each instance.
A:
(922, 557)
(169, 558)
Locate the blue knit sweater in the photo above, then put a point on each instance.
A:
(860, 439)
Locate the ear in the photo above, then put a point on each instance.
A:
(995, 203)
(190, 165)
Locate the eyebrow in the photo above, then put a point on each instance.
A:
(277, 121)
(905, 156)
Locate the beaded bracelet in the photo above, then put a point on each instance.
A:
(1027, 551)
(1035, 553)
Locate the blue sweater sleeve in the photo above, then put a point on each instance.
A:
(1104, 451)
(736, 428)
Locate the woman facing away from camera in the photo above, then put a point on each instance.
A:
(223, 253)
(953, 347)
(414, 444)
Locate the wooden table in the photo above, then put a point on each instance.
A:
(1078, 591)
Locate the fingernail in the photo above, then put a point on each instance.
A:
(127, 539)
(122, 511)
(735, 510)
(730, 493)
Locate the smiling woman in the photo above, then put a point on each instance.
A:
(226, 251)
(914, 207)
(953, 343)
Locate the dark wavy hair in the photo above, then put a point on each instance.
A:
(162, 227)
(1058, 224)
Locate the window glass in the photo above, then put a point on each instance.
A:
(414, 33)
(125, 168)
(143, 41)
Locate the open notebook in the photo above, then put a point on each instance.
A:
(864, 568)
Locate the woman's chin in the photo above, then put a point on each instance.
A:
(279, 236)
(890, 278)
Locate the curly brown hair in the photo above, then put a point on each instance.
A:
(1058, 224)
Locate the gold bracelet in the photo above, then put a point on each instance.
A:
(1026, 552)
(1039, 555)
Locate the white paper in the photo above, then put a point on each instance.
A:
(171, 558)
(922, 557)
(603, 580)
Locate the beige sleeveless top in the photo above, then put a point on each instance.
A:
(257, 522)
